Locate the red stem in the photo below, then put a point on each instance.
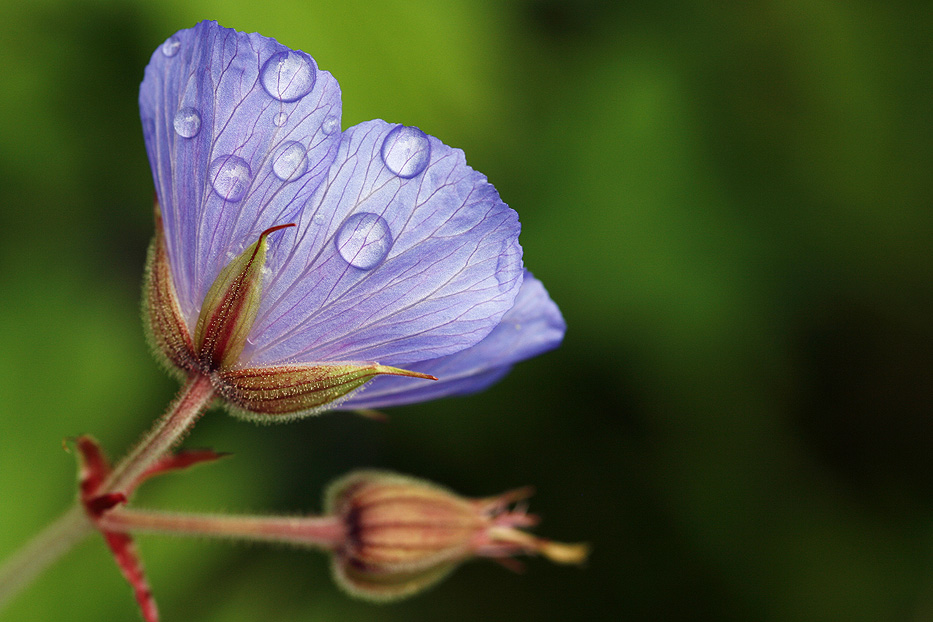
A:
(167, 431)
(324, 532)
(17, 571)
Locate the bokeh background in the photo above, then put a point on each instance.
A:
(731, 202)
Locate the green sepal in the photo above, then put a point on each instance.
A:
(373, 587)
(230, 307)
(290, 391)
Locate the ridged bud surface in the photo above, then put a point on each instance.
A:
(404, 534)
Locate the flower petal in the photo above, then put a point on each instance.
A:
(404, 254)
(240, 131)
(533, 326)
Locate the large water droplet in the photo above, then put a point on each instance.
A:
(288, 76)
(406, 151)
(230, 176)
(364, 240)
(280, 119)
(187, 122)
(331, 124)
(290, 161)
(171, 46)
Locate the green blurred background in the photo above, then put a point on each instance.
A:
(730, 203)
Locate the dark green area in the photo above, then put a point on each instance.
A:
(731, 205)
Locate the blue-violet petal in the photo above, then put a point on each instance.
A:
(389, 267)
(240, 132)
(531, 327)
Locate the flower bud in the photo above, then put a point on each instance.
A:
(404, 534)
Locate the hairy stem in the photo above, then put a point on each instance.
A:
(44, 549)
(324, 532)
(168, 430)
(73, 526)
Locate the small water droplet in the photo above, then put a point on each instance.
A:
(280, 119)
(289, 162)
(187, 122)
(171, 46)
(331, 124)
(288, 76)
(364, 240)
(406, 151)
(230, 176)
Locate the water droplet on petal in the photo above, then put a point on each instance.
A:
(331, 124)
(406, 151)
(364, 240)
(280, 119)
(230, 176)
(288, 76)
(290, 161)
(171, 46)
(187, 122)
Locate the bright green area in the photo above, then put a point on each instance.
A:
(732, 206)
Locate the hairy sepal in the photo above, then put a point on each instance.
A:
(166, 330)
(407, 534)
(285, 392)
(230, 307)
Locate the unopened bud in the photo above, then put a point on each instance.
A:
(405, 534)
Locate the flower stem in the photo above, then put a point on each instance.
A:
(73, 526)
(168, 430)
(326, 532)
(44, 549)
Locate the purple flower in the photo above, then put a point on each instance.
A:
(293, 262)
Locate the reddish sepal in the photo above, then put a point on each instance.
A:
(94, 467)
(179, 461)
(94, 470)
(96, 506)
(124, 552)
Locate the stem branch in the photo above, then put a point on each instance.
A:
(44, 549)
(325, 532)
(73, 526)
